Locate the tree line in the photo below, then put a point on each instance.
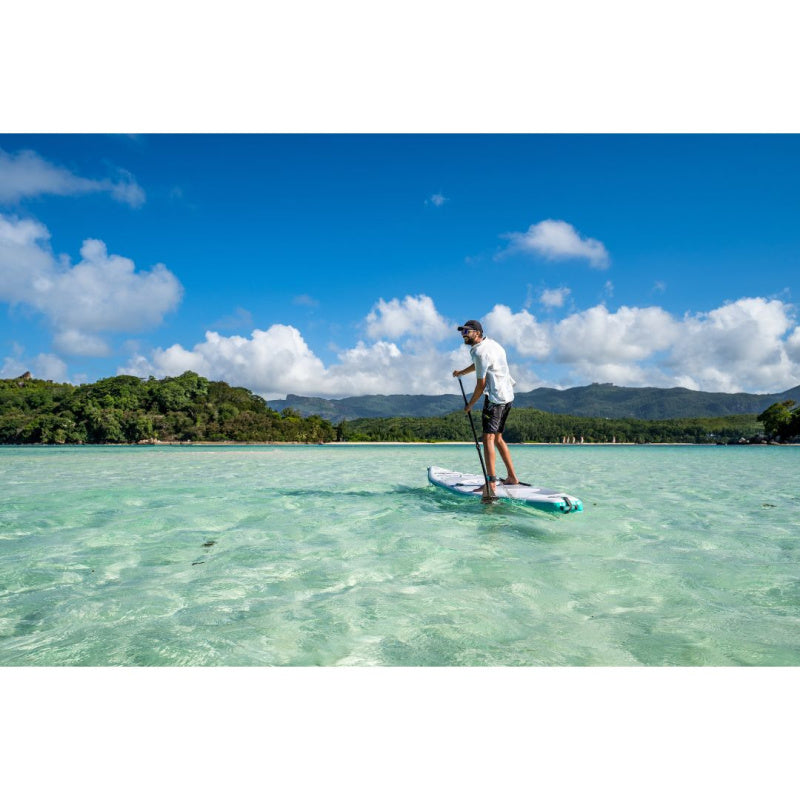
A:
(126, 409)
(532, 425)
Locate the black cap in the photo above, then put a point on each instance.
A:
(471, 325)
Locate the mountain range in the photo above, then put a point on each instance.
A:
(596, 400)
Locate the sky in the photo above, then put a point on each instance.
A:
(340, 265)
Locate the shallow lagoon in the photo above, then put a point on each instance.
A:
(344, 555)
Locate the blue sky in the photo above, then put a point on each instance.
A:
(339, 265)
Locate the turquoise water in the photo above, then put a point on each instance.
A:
(344, 555)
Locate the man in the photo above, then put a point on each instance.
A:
(493, 378)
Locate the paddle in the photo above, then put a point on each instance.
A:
(488, 495)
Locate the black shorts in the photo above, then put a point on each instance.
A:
(494, 416)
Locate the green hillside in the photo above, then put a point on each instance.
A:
(373, 405)
(597, 400)
(127, 409)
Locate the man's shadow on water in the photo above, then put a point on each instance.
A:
(496, 518)
(508, 519)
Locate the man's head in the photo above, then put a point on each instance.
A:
(471, 331)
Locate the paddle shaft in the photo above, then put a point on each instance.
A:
(475, 437)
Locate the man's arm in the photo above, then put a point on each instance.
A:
(457, 373)
(480, 385)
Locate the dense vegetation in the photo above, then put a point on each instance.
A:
(531, 425)
(781, 420)
(128, 409)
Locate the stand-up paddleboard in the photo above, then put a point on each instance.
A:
(465, 484)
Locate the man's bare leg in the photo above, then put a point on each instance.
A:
(491, 460)
(505, 454)
(490, 463)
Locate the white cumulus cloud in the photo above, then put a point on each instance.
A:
(521, 331)
(627, 335)
(105, 292)
(738, 346)
(415, 317)
(27, 174)
(750, 345)
(278, 361)
(557, 240)
(101, 293)
(793, 345)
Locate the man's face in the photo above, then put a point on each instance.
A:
(469, 337)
